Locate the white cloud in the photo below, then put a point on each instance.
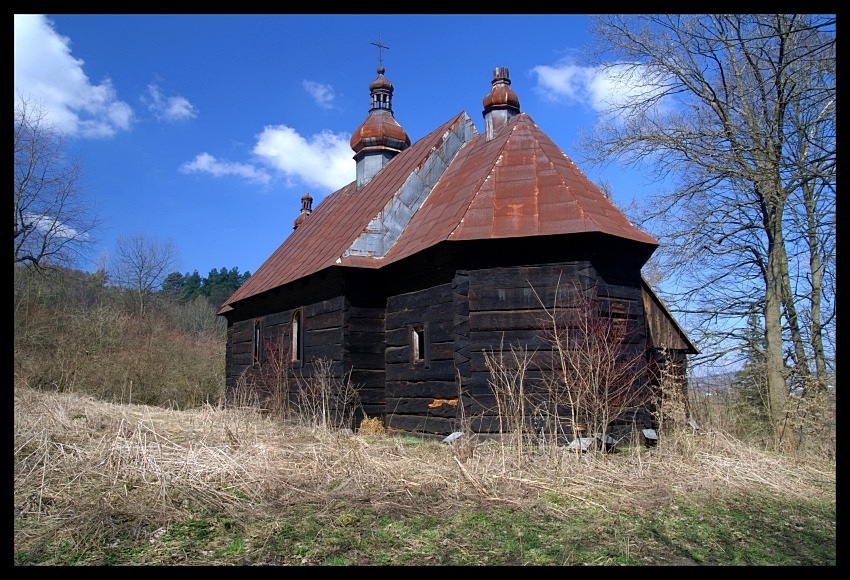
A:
(601, 90)
(566, 83)
(48, 74)
(323, 94)
(168, 108)
(206, 163)
(325, 160)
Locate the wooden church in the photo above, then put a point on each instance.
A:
(440, 252)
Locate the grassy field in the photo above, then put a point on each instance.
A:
(104, 484)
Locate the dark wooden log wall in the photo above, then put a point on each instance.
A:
(481, 309)
(484, 311)
(323, 338)
(421, 396)
(507, 309)
(351, 337)
(364, 335)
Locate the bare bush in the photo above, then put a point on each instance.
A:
(513, 402)
(599, 370)
(197, 317)
(276, 377)
(324, 401)
(596, 390)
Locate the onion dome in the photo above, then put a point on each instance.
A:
(380, 130)
(501, 95)
(501, 103)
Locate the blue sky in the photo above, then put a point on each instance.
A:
(208, 129)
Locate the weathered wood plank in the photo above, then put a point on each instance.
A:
(372, 342)
(367, 360)
(419, 423)
(323, 337)
(442, 351)
(436, 389)
(240, 348)
(371, 396)
(337, 303)
(498, 340)
(397, 354)
(440, 318)
(436, 371)
(369, 378)
(277, 318)
(366, 324)
(242, 359)
(519, 276)
(541, 360)
(532, 319)
(421, 298)
(333, 319)
(323, 351)
(244, 333)
(438, 407)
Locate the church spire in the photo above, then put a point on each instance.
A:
(379, 138)
(500, 104)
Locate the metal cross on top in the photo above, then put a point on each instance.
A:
(380, 55)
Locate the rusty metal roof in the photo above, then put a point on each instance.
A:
(518, 184)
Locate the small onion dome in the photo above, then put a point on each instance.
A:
(501, 95)
(381, 83)
(306, 209)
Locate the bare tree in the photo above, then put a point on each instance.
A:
(141, 264)
(736, 113)
(53, 220)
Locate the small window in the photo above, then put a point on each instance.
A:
(419, 344)
(258, 342)
(297, 338)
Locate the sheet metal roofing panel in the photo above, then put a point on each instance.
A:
(336, 222)
(518, 184)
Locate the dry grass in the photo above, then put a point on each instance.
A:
(84, 464)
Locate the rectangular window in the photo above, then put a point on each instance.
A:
(258, 342)
(419, 344)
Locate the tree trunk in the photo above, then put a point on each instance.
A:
(816, 269)
(776, 387)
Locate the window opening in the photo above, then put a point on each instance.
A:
(258, 342)
(296, 336)
(417, 338)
